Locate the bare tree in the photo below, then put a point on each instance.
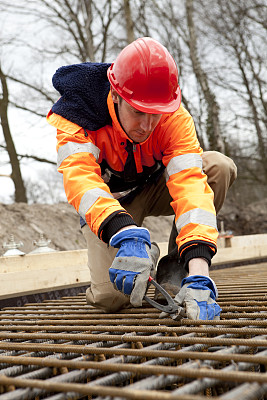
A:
(213, 123)
(20, 192)
(177, 23)
(82, 26)
(239, 28)
(128, 21)
(77, 31)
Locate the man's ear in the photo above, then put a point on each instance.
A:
(114, 95)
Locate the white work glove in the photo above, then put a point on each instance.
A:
(197, 296)
(132, 265)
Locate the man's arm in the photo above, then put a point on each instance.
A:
(195, 214)
(198, 266)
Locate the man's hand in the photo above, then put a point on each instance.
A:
(131, 267)
(198, 295)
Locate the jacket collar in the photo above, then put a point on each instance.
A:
(115, 122)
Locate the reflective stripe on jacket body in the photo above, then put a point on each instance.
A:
(173, 144)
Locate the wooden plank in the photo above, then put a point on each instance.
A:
(27, 282)
(239, 254)
(227, 255)
(46, 261)
(36, 273)
(33, 273)
(242, 241)
(249, 240)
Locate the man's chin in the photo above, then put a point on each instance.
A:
(139, 138)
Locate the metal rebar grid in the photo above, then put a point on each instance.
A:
(65, 349)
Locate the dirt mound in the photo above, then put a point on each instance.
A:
(246, 220)
(57, 222)
(60, 224)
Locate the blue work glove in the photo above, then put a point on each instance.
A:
(131, 267)
(198, 295)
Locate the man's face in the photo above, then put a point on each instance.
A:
(136, 124)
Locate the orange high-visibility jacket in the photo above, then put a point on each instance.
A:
(92, 164)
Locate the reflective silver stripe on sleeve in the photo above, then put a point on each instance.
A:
(72, 148)
(185, 161)
(89, 198)
(196, 216)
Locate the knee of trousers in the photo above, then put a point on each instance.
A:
(216, 164)
(105, 297)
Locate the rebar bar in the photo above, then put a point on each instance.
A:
(64, 349)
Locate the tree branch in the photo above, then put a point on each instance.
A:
(21, 156)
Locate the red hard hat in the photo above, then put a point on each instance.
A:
(145, 75)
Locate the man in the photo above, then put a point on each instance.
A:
(128, 149)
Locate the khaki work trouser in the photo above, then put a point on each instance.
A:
(154, 200)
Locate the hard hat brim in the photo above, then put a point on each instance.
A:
(156, 108)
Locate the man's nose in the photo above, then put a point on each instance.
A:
(147, 123)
